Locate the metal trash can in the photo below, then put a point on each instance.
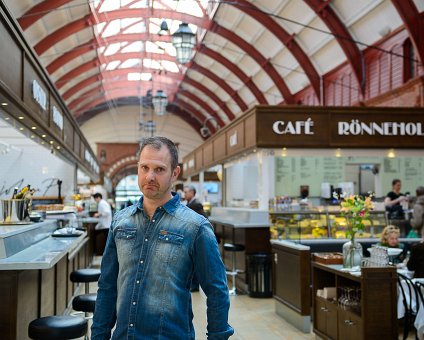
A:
(259, 275)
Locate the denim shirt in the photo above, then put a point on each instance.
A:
(146, 271)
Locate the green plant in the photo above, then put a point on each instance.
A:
(356, 209)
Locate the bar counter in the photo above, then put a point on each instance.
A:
(248, 227)
(34, 273)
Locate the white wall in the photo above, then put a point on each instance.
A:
(26, 162)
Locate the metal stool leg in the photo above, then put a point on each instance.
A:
(233, 274)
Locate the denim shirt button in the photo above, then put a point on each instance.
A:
(134, 303)
(138, 281)
(153, 221)
(131, 324)
(141, 261)
(146, 239)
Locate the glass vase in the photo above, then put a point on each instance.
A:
(352, 254)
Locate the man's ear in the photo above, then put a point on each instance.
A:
(176, 172)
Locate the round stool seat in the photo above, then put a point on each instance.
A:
(84, 303)
(85, 275)
(57, 327)
(233, 247)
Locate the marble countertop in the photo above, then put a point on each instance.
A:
(43, 254)
(234, 224)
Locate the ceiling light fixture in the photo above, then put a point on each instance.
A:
(159, 102)
(184, 41)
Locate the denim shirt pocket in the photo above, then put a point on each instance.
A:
(125, 239)
(168, 246)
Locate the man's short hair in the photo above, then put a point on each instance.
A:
(396, 181)
(157, 142)
(191, 188)
(98, 195)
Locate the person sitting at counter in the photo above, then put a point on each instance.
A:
(393, 201)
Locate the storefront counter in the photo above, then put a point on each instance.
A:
(248, 227)
(34, 274)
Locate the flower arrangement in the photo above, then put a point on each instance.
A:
(356, 209)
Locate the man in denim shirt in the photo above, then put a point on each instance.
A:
(153, 249)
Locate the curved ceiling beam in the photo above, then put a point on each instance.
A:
(36, 12)
(202, 104)
(414, 23)
(343, 37)
(286, 39)
(93, 44)
(94, 63)
(89, 20)
(211, 95)
(264, 63)
(112, 84)
(246, 80)
(101, 89)
(109, 74)
(195, 124)
(227, 88)
(196, 113)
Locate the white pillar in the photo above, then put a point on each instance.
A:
(266, 177)
(201, 195)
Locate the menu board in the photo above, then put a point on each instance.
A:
(333, 169)
(391, 165)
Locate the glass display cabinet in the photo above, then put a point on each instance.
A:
(320, 224)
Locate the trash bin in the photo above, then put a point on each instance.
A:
(259, 275)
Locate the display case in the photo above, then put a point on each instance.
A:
(320, 224)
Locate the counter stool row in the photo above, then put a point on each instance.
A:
(59, 327)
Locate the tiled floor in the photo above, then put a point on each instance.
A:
(252, 319)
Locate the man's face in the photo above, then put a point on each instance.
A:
(188, 194)
(155, 176)
(397, 186)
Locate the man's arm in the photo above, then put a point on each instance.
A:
(105, 312)
(388, 202)
(210, 272)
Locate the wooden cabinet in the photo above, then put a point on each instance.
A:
(375, 315)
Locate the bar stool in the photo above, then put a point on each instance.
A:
(85, 275)
(85, 303)
(57, 327)
(233, 248)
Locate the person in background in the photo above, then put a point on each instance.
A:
(192, 202)
(153, 250)
(390, 237)
(416, 260)
(104, 213)
(394, 199)
(417, 221)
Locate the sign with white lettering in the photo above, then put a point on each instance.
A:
(57, 117)
(39, 95)
(233, 139)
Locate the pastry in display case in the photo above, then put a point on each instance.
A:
(320, 224)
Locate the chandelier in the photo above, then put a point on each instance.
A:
(184, 41)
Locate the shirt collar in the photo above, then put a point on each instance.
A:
(169, 206)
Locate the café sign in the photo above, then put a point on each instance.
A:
(298, 127)
(39, 95)
(355, 128)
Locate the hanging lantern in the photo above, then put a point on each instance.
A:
(160, 101)
(184, 41)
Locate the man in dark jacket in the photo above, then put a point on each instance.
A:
(192, 202)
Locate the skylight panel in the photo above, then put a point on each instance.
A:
(130, 63)
(150, 63)
(145, 76)
(109, 5)
(139, 4)
(137, 28)
(112, 65)
(170, 66)
(153, 48)
(112, 49)
(113, 28)
(136, 46)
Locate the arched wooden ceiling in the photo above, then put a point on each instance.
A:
(249, 51)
